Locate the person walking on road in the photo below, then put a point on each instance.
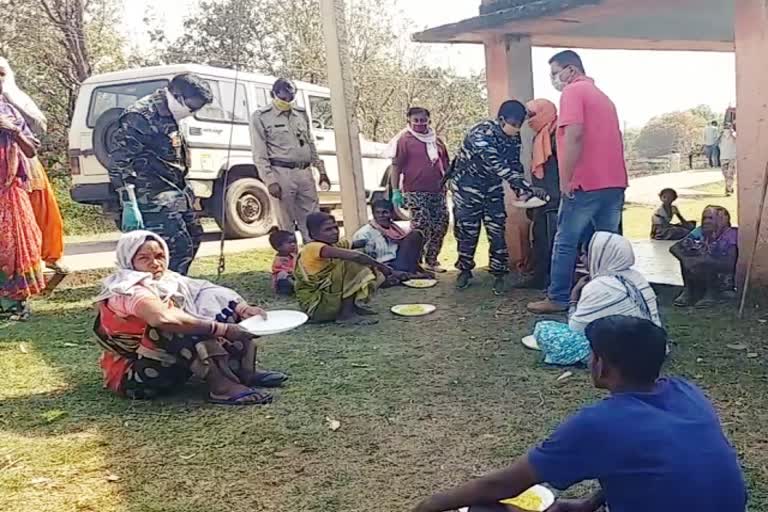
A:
(593, 174)
(420, 160)
(149, 167)
(489, 155)
(284, 152)
(712, 144)
(727, 156)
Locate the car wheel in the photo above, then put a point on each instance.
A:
(247, 209)
(104, 135)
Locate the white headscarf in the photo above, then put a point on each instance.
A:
(195, 296)
(614, 288)
(429, 139)
(29, 110)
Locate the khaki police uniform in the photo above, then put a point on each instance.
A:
(284, 152)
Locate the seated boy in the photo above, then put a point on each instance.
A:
(284, 242)
(331, 279)
(386, 242)
(654, 444)
(661, 222)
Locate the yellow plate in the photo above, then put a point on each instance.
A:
(413, 309)
(420, 283)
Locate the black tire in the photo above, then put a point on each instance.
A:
(104, 133)
(248, 209)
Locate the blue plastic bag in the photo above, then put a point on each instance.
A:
(131, 220)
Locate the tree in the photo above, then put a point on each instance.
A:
(675, 132)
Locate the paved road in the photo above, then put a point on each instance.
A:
(99, 251)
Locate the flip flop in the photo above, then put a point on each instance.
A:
(236, 401)
(268, 380)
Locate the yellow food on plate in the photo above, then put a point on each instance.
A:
(413, 309)
(529, 500)
(420, 283)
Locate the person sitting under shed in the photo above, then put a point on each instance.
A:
(708, 260)
(386, 242)
(332, 280)
(653, 444)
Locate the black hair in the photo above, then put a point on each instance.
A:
(282, 84)
(316, 220)
(189, 85)
(636, 347)
(714, 123)
(669, 191)
(513, 112)
(278, 237)
(568, 58)
(383, 203)
(417, 110)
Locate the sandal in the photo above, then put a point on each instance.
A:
(267, 379)
(238, 399)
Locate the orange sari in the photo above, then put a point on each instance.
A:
(47, 213)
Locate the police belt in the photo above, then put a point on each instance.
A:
(289, 165)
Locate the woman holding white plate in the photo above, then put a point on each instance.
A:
(157, 328)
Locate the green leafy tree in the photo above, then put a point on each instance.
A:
(675, 132)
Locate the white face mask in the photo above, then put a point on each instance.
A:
(178, 110)
(558, 82)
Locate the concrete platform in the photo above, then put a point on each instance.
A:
(653, 260)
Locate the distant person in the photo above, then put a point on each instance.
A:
(284, 152)
(489, 155)
(284, 263)
(711, 144)
(545, 175)
(420, 160)
(653, 444)
(728, 157)
(149, 167)
(662, 227)
(708, 258)
(593, 175)
(386, 242)
(333, 281)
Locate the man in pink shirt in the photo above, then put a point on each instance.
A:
(593, 175)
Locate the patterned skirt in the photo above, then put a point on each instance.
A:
(21, 274)
(560, 344)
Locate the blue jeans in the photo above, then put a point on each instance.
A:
(598, 209)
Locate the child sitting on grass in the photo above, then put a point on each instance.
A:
(284, 242)
(661, 222)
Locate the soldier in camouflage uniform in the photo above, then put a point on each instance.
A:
(489, 155)
(151, 155)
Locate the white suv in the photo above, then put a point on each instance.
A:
(209, 133)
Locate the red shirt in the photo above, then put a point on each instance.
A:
(601, 164)
(420, 174)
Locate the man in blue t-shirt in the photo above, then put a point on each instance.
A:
(655, 444)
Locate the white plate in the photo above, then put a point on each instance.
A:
(413, 309)
(547, 498)
(420, 283)
(276, 322)
(530, 342)
(532, 202)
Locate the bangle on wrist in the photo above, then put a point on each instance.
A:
(218, 330)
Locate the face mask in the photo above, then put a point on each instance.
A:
(178, 110)
(283, 105)
(558, 83)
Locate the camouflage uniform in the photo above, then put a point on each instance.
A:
(486, 157)
(152, 155)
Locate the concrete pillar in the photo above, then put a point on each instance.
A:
(509, 75)
(751, 32)
(347, 131)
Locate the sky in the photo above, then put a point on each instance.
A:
(643, 84)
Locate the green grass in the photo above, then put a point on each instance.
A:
(423, 403)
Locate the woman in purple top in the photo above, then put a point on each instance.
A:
(420, 161)
(708, 259)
